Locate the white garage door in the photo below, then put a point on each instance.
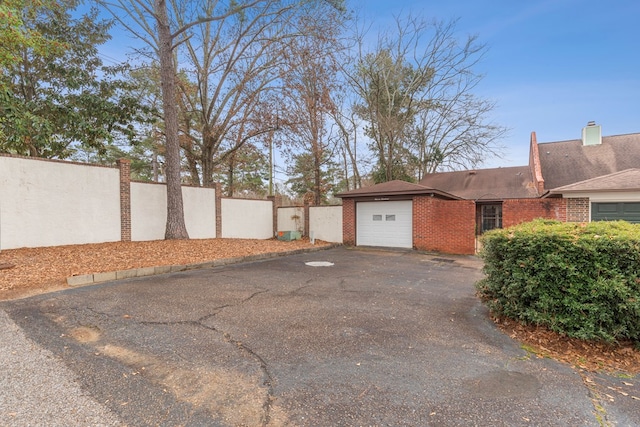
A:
(387, 224)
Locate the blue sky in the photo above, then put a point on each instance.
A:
(551, 65)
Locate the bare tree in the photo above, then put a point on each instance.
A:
(310, 86)
(347, 123)
(153, 22)
(415, 90)
(450, 129)
(233, 63)
(230, 60)
(454, 134)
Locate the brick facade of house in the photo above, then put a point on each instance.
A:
(449, 226)
(446, 226)
(578, 209)
(516, 211)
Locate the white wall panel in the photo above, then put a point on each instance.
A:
(291, 218)
(149, 211)
(247, 219)
(325, 223)
(45, 203)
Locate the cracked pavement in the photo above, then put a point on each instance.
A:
(379, 338)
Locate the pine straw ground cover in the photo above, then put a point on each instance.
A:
(30, 271)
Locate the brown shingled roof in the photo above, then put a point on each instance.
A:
(485, 184)
(568, 162)
(394, 188)
(627, 180)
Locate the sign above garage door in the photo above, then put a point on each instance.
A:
(388, 224)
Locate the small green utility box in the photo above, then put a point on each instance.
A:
(288, 236)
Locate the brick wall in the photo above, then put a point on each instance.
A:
(125, 199)
(578, 209)
(446, 226)
(349, 222)
(517, 211)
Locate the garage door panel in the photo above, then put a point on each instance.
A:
(628, 211)
(388, 224)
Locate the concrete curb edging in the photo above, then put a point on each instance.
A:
(90, 279)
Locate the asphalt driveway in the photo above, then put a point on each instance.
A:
(377, 339)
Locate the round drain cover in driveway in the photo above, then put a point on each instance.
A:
(319, 264)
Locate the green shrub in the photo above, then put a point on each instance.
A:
(581, 280)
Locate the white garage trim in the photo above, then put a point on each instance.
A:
(388, 224)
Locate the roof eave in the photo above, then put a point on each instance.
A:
(593, 190)
(398, 193)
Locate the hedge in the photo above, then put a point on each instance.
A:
(581, 280)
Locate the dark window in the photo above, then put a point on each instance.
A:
(491, 217)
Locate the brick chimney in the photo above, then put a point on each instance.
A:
(534, 164)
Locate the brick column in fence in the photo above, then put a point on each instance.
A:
(218, 189)
(125, 199)
(276, 201)
(349, 222)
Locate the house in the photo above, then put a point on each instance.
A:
(589, 179)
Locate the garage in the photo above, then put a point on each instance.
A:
(385, 223)
(610, 211)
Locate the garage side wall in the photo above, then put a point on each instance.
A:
(446, 226)
(517, 211)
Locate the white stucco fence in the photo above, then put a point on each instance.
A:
(325, 223)
(247, 219)
(52, 203)
(291, 218)
(149, 211)
(45, 203)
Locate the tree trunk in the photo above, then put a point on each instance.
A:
(353, 155)
(176, 228)
(230, 172)
(208, 165)
(317, 178)
(346, 169)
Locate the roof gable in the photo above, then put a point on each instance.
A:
(485, 184)
(568, 162)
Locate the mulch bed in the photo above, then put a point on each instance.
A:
(621, 358)
(37, 270)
